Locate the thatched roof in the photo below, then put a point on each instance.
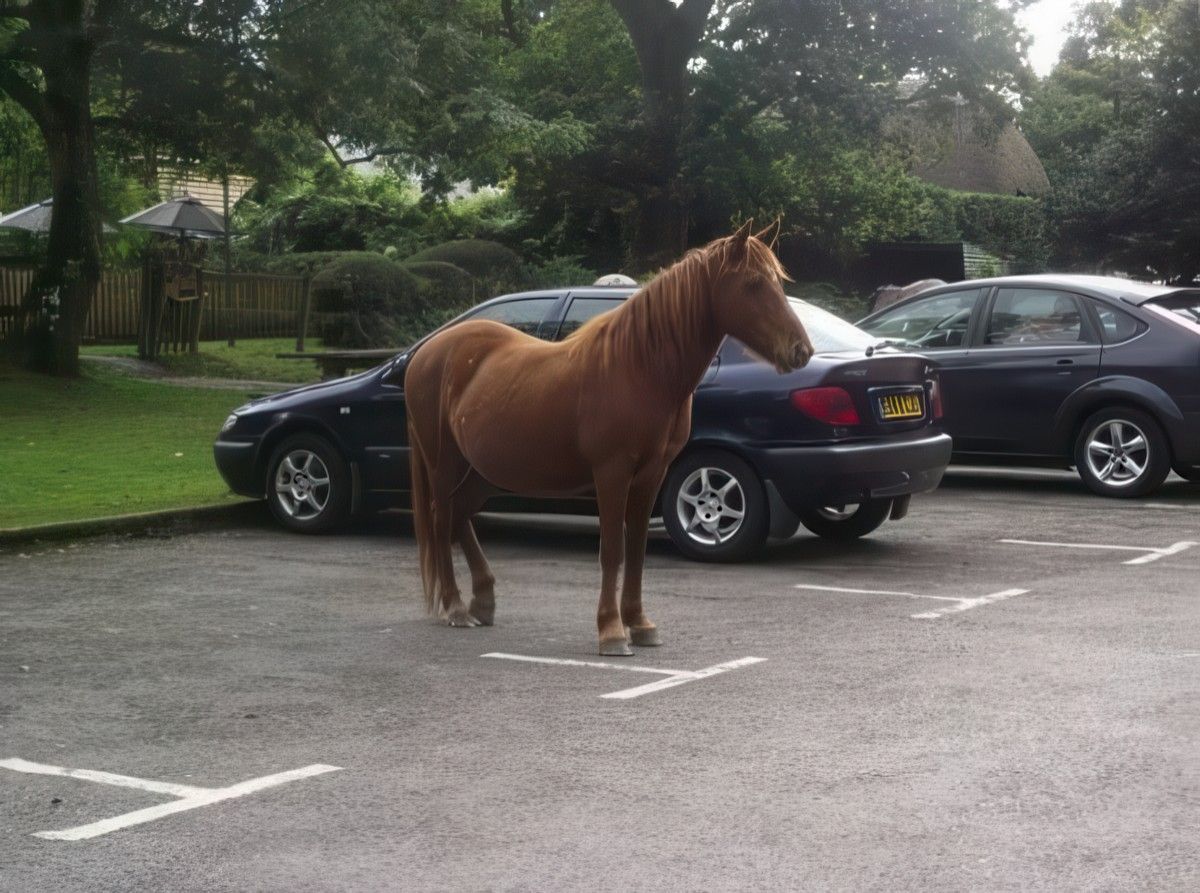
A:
(963, 150)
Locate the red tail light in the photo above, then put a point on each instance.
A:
(935, 398)
(833, 406)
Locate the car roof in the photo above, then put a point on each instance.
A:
(1131, 291)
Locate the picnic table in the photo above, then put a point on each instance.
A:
(336, 363)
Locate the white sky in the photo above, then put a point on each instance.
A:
(1047, 21)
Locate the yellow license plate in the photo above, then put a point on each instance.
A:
(901, 406)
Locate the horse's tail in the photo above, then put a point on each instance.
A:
(422, 509)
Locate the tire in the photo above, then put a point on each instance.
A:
(300, 496)
(847, 522)
(1136, 467)
(702, 494)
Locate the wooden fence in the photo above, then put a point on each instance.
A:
(257, 306)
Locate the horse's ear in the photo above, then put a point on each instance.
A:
(743, 231)
(770, 234)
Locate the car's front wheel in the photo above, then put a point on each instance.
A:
(846, 522)
(1122, 452)
(308, 484)
(714, 507)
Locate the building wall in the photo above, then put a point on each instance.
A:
(174, 182)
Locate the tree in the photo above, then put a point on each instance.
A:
(1116, 124)
(186, 78)
(46, 52)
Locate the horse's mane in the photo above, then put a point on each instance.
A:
(660, 321)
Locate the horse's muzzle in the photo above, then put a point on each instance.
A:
(802, 352)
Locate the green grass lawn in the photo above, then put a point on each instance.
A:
(105, 444)
(252, 358)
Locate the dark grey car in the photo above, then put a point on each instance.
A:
(1099, 373)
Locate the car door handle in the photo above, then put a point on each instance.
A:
(1065, 363)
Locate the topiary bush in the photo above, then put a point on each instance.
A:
(489, 262)
(445, 285)
(364, 300)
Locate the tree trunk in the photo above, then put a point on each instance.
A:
(72, 270)
(665, 37)
(55, 311)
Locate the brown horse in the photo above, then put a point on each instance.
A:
(606, 411)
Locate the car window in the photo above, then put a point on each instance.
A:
(583, 309)
(1036, 316)
(525, 315)
(1116, 325)
(939, 321)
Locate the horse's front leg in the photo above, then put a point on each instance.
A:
(642, 630)
(612, 493)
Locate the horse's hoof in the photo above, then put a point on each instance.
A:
(483, 616)
(461, 619)
(646, 637)
(615, 648)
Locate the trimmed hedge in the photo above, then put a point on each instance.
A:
(446, 286)
(366, 301)
(486, 261)
(1007, 225)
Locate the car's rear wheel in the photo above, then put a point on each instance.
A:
(1122, 452)
(847, 522)
(308, 484)
(714, 507)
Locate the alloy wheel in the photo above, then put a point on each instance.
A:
(1117, 452)
(302, 484)
(711, 506)
(838, 512)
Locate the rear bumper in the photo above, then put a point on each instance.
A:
(837, 474)
(236, 461)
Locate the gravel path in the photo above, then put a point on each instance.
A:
(146, 369)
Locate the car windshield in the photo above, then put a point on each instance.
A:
(829, 333)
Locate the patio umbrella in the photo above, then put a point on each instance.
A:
(185, 216)
(34, 219)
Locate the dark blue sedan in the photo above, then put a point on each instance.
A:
(838, 446)
(1099, 373)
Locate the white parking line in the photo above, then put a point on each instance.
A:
(674, 677)
(960, 603)
(1152, 554)
(946, 598)
(966, 604)
(190, 797)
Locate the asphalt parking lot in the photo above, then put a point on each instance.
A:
(932, 708)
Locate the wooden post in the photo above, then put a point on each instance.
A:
(305, 306)
(198, 312)
(228, 262)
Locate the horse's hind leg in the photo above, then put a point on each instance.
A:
(450, 473)
(483, 584)
(467, 501)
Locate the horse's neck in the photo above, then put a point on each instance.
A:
(669, 344)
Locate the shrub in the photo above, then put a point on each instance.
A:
(557, 272)
(486, 261)
(364, 300)
(300, 263)
(445, 285)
